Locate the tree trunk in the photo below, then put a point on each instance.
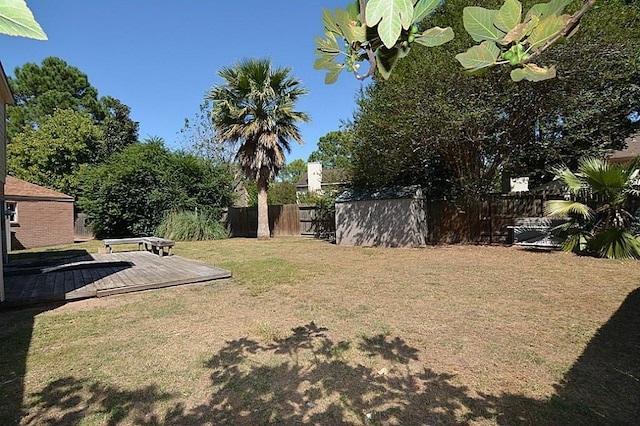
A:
(263, 210)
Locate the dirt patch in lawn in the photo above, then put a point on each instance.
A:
(309, 332)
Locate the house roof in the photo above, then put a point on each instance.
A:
(329, 177)
(390, 193)
(15, 188)
(631, 151)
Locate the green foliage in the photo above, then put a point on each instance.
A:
(293, 171)
(383, 31)
(56, 153)
(132, 191)
(504, 39)
(191, 226)
(118, 130)
(255, 106)
(607, 228)
(282, 193)
(382, 34)
(58, 126)
(324, 220)
(455, 134)
(200, 137)
(16, 19)
(278, 193)
(335, 149)
(40, 90)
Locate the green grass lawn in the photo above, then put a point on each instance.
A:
(310, 332)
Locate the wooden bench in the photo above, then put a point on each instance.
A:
(117, 241)
(157, 245)
(153, 244)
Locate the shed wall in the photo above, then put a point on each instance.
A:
(42, 223)
(382, 223)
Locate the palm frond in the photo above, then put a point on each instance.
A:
(576, 242)
(615, 243)
(574, 183)
(563, 208)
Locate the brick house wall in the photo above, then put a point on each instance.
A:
(39, 216)
(42, 223)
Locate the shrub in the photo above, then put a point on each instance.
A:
(191, 226)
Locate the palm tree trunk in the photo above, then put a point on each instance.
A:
(263, 210)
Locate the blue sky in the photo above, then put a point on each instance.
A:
(160, 57)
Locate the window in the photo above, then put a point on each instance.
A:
(11, 209)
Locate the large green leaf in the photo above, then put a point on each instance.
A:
(423, 8)
(532, 72)
(325, 61)
(556, 7)
(386, 59)
(478, 22)
(508, 16)
(521, 30)
(480, 56)
(328, 45)
(17, 20)
(332, 75)
(542, 10)
(391, 16)
(329, 21)
(435, 36)
(545, 31)
(352, 29)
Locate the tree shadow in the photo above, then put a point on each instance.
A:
(306, 377)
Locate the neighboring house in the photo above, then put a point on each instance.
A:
(37, 216)
(629, 153)
(6, 98)
(317, 179)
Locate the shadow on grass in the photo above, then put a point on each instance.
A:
(306, 378)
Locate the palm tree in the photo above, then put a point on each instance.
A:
(254, 107)
(608, 228)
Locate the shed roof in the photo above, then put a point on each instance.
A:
(15, 188)
(389, 193)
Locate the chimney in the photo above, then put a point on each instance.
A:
(314, 177)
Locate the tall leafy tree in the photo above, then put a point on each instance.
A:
(118, 129)
(56, 153)
(293, 171)
(456, 133)
(255, 107)
(40, 90)
(335, 149)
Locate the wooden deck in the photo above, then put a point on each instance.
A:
(100, 275)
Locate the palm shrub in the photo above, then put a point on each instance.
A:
(604, 224)
(191, 226)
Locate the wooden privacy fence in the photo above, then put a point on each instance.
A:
(484, 220)
(80, 228)
(289, 220)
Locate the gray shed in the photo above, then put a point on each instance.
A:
(388, 217)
